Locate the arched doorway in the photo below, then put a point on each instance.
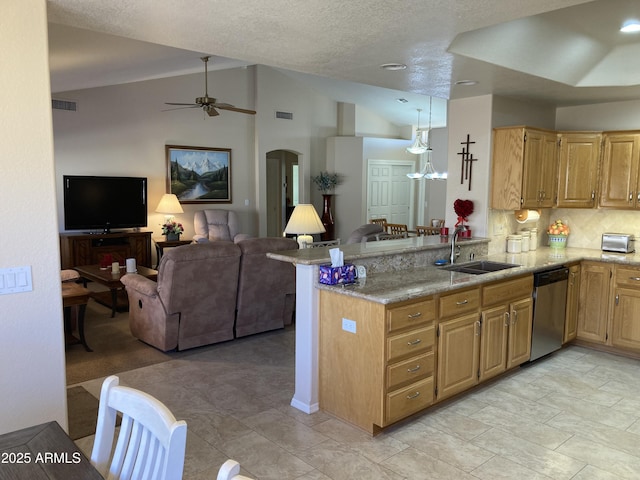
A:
(282, 189)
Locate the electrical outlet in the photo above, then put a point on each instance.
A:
(348, 325)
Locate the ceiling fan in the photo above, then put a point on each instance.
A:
(207, 103)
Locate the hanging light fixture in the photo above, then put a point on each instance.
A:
(428, 171)
(418, 145)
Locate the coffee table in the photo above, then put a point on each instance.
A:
(97, 274)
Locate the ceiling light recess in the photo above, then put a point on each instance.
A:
(630, 26)
(466, 83)
(393, 66)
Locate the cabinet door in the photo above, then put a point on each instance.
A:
(620, 170)
(506, 168)
(573, 296)
(625, 332)
(540, 169)
(593, 311)
(458, 354)
(578, 171)
(521, 318)
(493, 342)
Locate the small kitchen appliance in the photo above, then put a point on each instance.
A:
(618, 242)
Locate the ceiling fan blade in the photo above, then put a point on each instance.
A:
(170, 103)
(226, 106)
(180, 108)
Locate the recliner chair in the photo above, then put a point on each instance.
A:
(192, 303)
(217, 224)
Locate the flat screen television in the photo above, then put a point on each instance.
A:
(103, 203)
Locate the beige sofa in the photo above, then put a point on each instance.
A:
(200, 288)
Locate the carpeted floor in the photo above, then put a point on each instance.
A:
(114, 348)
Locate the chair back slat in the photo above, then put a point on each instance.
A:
(151, 442)
(398, 229)
(424, 230)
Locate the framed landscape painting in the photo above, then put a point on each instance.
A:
(199, 174)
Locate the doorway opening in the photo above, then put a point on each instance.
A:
(282, 189)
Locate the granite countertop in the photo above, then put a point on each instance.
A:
(392, 287)
(355, 251)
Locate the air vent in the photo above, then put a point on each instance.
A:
(64, 105)
(284, 115)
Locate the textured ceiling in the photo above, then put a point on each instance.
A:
(441, 41)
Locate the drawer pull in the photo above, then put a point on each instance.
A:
(415, 395)
(414, 369)
(414, 342)
(506, 319)
(464, 302)
(635, 279)
(414, 315)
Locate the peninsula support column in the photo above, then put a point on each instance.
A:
(305, 397)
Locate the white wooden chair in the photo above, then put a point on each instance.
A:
(151, 443)
(230, 470)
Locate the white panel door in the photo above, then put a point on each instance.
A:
(390, 193)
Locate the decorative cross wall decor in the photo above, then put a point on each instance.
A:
(467, 161)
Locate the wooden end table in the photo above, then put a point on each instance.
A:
(74, 294)
(162, 244)
(112, 281)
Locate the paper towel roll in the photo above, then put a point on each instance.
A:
(527, 216)
(131, 265)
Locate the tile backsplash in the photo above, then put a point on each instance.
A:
(587, 226)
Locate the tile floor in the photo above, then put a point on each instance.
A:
(573, 415)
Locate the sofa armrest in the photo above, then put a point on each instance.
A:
(241, 236)
(141, 284)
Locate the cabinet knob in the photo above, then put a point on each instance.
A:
(506, 319)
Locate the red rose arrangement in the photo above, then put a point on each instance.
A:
(463, 209)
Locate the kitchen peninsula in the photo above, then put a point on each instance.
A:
(401, 272)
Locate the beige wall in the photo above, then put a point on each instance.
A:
(32, 381)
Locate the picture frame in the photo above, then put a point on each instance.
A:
(199, 174)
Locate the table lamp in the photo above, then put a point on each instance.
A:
(304, 221)
(169, 205)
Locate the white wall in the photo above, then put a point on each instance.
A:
(32, 379)
(470, 116)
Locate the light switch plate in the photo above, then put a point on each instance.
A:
(15, 280)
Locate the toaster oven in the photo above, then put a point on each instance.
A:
(618, 242)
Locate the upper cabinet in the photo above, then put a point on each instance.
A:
(524, 168)
(578, 170)
(621, 156)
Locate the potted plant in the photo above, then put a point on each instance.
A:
(326, 182)
(172, 230)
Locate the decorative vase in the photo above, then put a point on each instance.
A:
(558, 241)
(327, 218)
(173, 237)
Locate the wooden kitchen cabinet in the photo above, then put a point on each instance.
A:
(524, 168)
(593, 311)
(625, 321)
(380, 368)
(620, 170)
(573, 298)
(579, 157)
(507, 314)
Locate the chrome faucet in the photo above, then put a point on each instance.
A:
(454, 238)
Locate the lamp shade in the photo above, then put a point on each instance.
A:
(169, 204)
(304, 220)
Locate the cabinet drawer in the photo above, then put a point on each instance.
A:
(411, 370)
(410, 343)
(411, 315)
(411, 399)
(456, 303)
(627, 277)
(508, 290)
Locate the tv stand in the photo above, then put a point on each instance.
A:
(89, 248)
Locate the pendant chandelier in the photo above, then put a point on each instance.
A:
(419, 147)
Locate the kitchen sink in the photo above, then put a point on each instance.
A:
(479, 267)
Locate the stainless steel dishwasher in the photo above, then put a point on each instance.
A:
(549, 304)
